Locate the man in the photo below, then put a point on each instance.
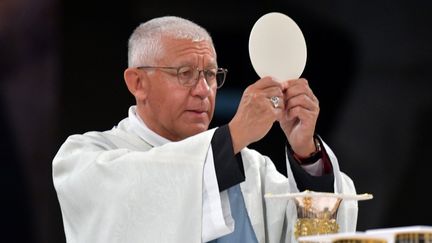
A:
(161, 176)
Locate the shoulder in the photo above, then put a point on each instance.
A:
(117, 137)
(89, 140)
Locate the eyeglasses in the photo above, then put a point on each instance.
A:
(188, 76)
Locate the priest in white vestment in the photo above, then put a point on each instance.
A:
(161, 175)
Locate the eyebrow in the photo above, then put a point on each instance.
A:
(211, 64)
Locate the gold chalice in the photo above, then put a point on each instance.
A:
(317, 211)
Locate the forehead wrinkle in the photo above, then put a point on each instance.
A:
(188, 54)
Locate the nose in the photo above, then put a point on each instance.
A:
(201, 88)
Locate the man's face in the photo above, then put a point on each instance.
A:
(171, 109)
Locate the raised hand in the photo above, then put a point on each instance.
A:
(256, 113)
(300, 115)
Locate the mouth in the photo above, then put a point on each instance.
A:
(197, 111)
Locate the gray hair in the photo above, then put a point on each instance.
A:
(145, 44)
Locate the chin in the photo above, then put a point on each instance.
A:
(196, 129)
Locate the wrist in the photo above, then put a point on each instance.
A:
(306, 150)
(312, 157)
(235, 138)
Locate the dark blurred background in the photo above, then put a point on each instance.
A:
(369, 63)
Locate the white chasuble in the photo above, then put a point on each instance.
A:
(114, 186)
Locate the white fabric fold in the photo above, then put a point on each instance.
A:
(216, 219)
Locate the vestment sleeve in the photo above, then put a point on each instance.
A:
(228, 166)
(306, 181)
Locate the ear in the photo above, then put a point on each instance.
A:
(136, 84)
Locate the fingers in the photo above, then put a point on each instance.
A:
(300, 101)
(268, 82)
(256, 112)
(297, 87)
(298, 92)
(301, 113)
(263, 90)
(272, 92)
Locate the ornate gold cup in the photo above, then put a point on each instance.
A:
(316, 215)
(317, 211)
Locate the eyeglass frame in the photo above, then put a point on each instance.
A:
(218, 70)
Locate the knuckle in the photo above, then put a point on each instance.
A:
(295, 110)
